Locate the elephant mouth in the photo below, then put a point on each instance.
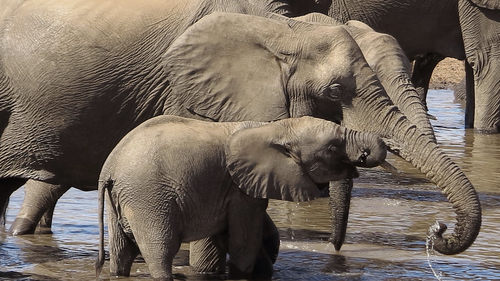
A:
(350, 173)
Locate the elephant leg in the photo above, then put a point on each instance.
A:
(208, 255)
(422, 73)
(122, 249)
(270, 239)
(470, 99)
(245, 231)
(45, 224)
(157, 238)
(263, 268)
(8, 187)
(340, 201)
(158, 246)
(39, 197)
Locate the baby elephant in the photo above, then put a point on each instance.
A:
(173, 180)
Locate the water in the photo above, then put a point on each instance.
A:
(389, 218)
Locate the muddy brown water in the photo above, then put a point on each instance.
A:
(389, 217)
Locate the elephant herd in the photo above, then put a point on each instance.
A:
(76, 78)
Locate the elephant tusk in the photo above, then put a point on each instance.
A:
(431, 117)
(387, 166)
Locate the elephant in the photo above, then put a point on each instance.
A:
(174, 179)
(429, 31)
(113, 71)
(393, 69)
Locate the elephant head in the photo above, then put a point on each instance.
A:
(387, 59)
(240, 67)
(288, 159)
(480, 25)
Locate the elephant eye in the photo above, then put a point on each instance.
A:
(333, 91)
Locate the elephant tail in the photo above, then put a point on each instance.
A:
(103, 185)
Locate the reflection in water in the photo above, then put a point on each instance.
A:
(389, 218)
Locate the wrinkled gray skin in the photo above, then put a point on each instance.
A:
(67, 84)
(202, 58)
(393, 69)
(166, 187)
(108, 78)
(431, 30)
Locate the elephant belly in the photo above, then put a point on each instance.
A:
(206, 225)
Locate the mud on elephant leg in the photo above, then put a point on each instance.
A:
(39, 200)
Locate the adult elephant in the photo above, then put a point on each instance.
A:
(105, 75)
(431, 30)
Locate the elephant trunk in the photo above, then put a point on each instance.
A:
(339, 204)
(432, 161)
(364, 150)
(387, 59)
(405, 139)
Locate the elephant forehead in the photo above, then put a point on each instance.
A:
(317, 130)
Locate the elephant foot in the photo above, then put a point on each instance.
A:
(22, 226)
(236, 274)
(179, 276)
(263, 269)
(43, 230)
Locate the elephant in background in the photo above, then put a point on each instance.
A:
(429, 31)
(107, 80)
(165, 187)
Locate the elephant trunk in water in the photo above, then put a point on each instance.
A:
(454, 184)
(339, 204)
(340, 191)
(406, 140)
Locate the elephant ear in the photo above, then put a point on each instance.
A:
(487, 4)
(262, 166)
(223, 68)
